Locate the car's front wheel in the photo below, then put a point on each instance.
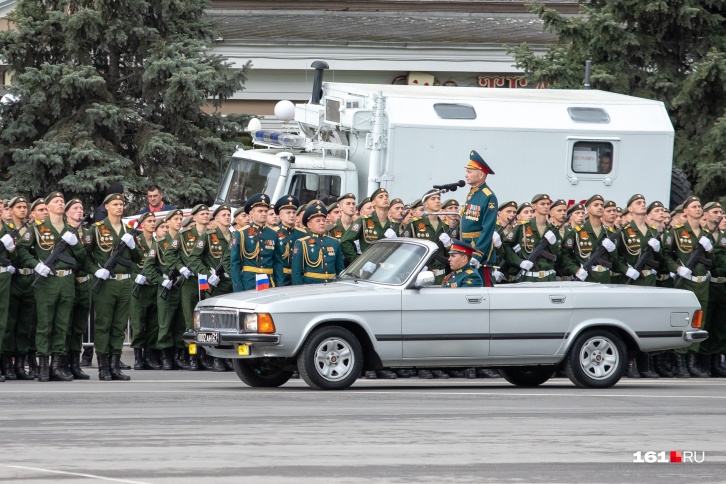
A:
(597, 359)
(527, 376)
(330, 359)
(258, 373)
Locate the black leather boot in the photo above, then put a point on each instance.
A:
(75, 366)
(56, 369)
(692, 365)
(121, 364)
(32, 364)
(104, 373)
(20, 367)
(660, 362)
(150, 360)
(179, 359)
(194, 363)
(138, 359)
(487, 373)
(65, 366)
(704, 364)
(87, 357)
(167, 359)
(206, 362)
(8, 368)
(645, 366)
(717, 368)
(115, 369)
(680, 367)
(632, 371)
(43, 368)
(218, 365)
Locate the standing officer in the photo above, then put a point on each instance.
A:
(368, 228)
(112, 301)
(286, 236)
(316, 258)
(347, 215)
(479, 215)
(252, 251)
(715, 345)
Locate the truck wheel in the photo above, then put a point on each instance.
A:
(597, 359)
(255, 373)
(680, 188)
(527, 376)
(330, 359)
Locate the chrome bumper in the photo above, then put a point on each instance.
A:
(697, 335)
(228, 339)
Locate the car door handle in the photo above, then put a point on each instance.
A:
(557, 299)
(474, 299)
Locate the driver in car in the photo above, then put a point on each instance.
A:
(463, 274)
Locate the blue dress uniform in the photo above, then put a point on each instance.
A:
(316, 258)
(286, 237)
(479, 217)
(252, 252)
(467, 276)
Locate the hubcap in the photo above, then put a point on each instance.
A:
(599, 358)
(334, 359)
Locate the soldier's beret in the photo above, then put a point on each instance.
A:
(288, 201)
(523, 206)
(220, 209)
(476, 162)
(333, 206)
(461, 247)
(238, 211)
(172, 213)
(711, 206)
(504, 205)
(378, 192)
(594, 198)
(53, 195)
(186, 221)
(395, 201)
(540, 196)
(300, 209)
(609, 204)
(653, 205)
(363, 202)
(316, 210)
(199, 208)
(257, 200)
(36, 202)
(347, 195)
(635, 197)
(557, 203)
(143, 217)
(15, 200)
(690, 200)
(416, 203)
(621, 211)
(450, 203)
(113, 197)
(72, 202)
(574, 208)
(678, 209)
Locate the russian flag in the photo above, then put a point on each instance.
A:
(203, 284)
(263, 282)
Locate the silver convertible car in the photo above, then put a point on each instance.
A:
(384, 312)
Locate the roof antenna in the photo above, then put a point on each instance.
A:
(588, 63)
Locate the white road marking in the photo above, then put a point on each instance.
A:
(90, 476)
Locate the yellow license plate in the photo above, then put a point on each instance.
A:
(243, 350)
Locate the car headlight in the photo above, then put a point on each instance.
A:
(197, 320)
(258, 323)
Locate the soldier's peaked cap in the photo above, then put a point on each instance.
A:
(287, 201)
(316, 210)
(476, 162)
(257, 200)
(461, 247)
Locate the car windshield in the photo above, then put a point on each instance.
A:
(389, 263)
(245, 178)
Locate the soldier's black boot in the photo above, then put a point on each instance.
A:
(43, 368)
(20, 367)
(65, 366)
(115, 369)
(704, 363)
(167, 359)
(717, 369)
(8, 369)
(632, 371)
(680, 367)
(151, 362)
(692, 365)
(487, 373)
(661, 366)
(32, 364)
(138, 359)
(56, 369)
(645, 366)
(104, 373)
(181, 362)
(75, 366)
(194, 363)
(218, 365)
(87, 357)
(121, 364)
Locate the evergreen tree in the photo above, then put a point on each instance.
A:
(669, 50)
(111, 91)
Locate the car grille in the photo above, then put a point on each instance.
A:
(217, 319)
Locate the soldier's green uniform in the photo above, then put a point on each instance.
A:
(423, 228)
(316, 258)
(144, 307)
(6, 262)
(253, 250)
(211, 249)
(365, 230)
(527, 237)
(633, 242)
(464, 277)
(282, 265)
(715, 345)
(337, 230)
(188, 239)
(577, 247)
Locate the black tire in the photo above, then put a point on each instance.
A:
(256, 373)
(597, 359)
(527, 376)
(680, 188)
(343, 359)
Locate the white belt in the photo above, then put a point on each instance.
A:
(599, 269)
(62, 272)
(648, 272)
(81, 280)
(718, 280)
(25, 272)
(3, 269)
(439, 272)
(119, 277)
(700, 279)
(539, 274)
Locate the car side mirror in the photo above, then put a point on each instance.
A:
(425, 279)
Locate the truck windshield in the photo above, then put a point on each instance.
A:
(244, 178)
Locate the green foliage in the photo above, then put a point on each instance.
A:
(669, 50)
(112, 91)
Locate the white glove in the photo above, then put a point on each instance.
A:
(128, 239)
(684, 272)
(475, 263)
(390, 233)
(517, 248)
(369, 267)
(705, 243)
(103, 274)
(213, 280)
(550, 237)
(185, 272)
(498, 276)
(357, 247)
(655, 244)
(608, 244)
(42, 270)
(581, 274)
(70, 238)
(632, 273)
(166, 284)
(445, 239)
(496, 239)
(8, 241)
(11, 269)
(526, 265)
(140, 280)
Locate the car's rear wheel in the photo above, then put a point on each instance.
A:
(258, 373)
(330, 359)
(527, 376)
(597, 359)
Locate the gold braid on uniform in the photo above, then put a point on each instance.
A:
(210, 245)
(43, 245)
(98, 242)
(306, 257)
(249, 255)
(527, 248)
(622, 236)
(577, 239)
(675, 240)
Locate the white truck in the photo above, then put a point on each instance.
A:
(355, 138)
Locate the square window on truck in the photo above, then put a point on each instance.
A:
(311, 186)
(592, 157)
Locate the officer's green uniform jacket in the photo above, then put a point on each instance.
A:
(286, 237)
(464, 277)
(316, 259)
(145, 248)
(478, 220)
(527, 237)
(501, 263)
(38, 242)
(422, 228)
(632, 244)
(211, 249)
(336, 231)
(252, 253)
(187, 238)
(365, 230)
(561, 233)
(101, 239)
(577, 247)
(156, 264)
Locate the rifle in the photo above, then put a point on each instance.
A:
(646, 258)
(501, 229)
(597, 254)
(698, 255)
(57, 252)
(397, 225)
(173, 276)
(115, 258)
(540, 251)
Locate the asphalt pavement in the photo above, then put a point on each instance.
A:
(184, 427)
